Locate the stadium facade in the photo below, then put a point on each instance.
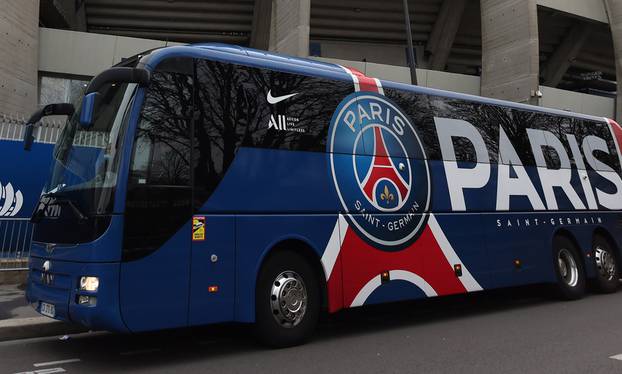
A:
(556, 53)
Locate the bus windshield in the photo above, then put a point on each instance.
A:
(85, 164)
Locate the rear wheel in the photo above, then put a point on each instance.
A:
(607, 270)
(287, 301)
(569, 269)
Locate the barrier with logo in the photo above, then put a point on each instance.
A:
(22, 176)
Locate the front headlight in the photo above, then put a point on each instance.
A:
(90, 284)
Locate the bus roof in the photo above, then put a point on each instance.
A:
(297, 65)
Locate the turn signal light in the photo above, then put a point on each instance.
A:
(385, 276)
(212, 289)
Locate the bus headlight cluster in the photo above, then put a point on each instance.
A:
(90, 284)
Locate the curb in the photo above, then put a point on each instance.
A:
(12, 276)
(35, 327)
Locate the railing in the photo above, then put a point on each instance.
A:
(48, 131)
(16, 233)
(15, 240)
(12, 128)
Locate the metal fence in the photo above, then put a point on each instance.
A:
(48, 131)
(16, 233)
(12, 128)
(15, 240)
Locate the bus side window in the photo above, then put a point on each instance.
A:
(162, 147)
(485, 119)
(240, 106)
(222, 109)
(159, 193)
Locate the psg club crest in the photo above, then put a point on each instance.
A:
(379, 169)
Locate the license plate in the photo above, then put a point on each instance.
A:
(47, 309)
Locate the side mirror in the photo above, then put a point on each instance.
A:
(63, 109)
(89, 104)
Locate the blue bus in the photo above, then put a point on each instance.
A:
(229, 184)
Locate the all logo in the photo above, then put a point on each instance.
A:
(379, 170)
(282, 122)
(11, 201)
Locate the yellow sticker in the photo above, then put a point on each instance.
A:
(198, 228)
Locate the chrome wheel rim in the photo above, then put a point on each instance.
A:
(288, 298)
(605, 263)
(568, 269)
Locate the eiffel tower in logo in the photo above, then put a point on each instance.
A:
(382, 168)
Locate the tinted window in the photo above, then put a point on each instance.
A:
(158, 196)
(417, 108)
(484, 118)
(233, 111)
(601, 130)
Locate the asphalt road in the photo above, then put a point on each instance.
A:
(509, 331)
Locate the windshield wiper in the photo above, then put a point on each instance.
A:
(43, 205)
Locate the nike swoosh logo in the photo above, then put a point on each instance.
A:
(278, 99)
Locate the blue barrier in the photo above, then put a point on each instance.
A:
(22, 176)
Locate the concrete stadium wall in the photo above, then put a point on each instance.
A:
(81, 53)
(72, 53)
(577, 102)
(356, 51)
(467, 84)
(19, 22)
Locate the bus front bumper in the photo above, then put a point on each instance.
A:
(54, 290)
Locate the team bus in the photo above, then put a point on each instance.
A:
(225, 184)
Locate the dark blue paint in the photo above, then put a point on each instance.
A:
(395, 290)
(211, 307)
(154, 290)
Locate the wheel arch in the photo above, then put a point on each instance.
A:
(306, 250)
(570, 236)
(604, 233)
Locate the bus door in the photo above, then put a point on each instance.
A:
(212, 286)
(218, 112)
(158, 214)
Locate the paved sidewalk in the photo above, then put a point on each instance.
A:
(13, 302)
(18, 320)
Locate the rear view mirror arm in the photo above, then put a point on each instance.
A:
(61, 109)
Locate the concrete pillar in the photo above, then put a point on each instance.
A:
(289, 29)
(262, 20)
(510, 51)
(19, 46)
(614, 12)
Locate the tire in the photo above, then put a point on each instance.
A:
(569, 269)
(287, 301)
(607, 265)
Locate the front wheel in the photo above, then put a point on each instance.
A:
(568, 269)
(607, 270)
(287, 300)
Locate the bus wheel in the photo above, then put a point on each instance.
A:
(568, 269)
(287, 301)
(607, 271)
